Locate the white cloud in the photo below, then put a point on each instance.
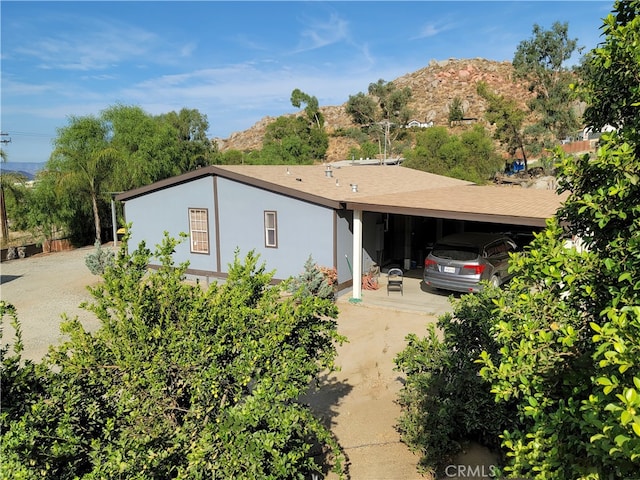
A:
(433, 29)
(321, 34)
(11, 89)
(188, 49)
(82, 43)
(94, 50)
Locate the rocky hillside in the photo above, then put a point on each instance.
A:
(433, 88)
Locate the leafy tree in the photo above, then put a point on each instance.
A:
(567, 328)
(294, 139)
(393, 102)
(152, 148)
(83, 160)
(288, 140)
(469, 156)
(445, 403)
(228, 157)
(563, 342)
(8, 183)
(382, 113)
(284, 142)
(121, 149)
(147, 147)
(49, 209)
(365, 150)
(426, 155)
(179, 381)
(614, 99)
(362, 109)
(541, 60)
(194, 149)
(21, 378)
(312, 110)
(508, 119)
(568, 332)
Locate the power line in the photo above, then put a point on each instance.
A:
(32, 134)
(5, 140)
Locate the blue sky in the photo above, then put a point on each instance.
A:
(237, 62)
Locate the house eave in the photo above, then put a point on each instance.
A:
(521, 220)
(230, 175)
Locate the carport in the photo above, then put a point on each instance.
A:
(399, 228)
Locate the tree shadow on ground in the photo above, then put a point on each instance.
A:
(323, 397)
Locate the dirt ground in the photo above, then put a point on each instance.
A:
(43, 288)
(358, 402)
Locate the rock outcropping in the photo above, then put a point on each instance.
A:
(433, 89)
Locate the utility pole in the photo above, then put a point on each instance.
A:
(386, 135)
(386, 124)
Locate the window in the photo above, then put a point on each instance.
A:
(270, 229)
(199, 230)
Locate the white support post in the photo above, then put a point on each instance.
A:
(357, 255)
(113, 220)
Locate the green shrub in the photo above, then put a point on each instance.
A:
(314, 281)
(179, 382)
(566, 333)
(444, 401)
(99, 260)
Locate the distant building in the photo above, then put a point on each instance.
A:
(418, 124)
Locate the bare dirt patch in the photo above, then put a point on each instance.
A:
(43, 288)
(359, 401)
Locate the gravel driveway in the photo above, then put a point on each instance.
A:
(43, 288)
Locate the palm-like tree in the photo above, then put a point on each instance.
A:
(8, 181)
(84, 160)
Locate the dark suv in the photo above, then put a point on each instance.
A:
(460, 262)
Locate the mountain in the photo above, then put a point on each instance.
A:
(28, 169)
(433, 88)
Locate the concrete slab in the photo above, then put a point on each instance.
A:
(416, 296)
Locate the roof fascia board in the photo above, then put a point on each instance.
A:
(450, 214)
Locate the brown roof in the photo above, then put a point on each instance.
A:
(509, 204)
(384, 188)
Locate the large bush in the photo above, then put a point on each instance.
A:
(445, 403)
(559, 347)
(179, 381)
(566, 333)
